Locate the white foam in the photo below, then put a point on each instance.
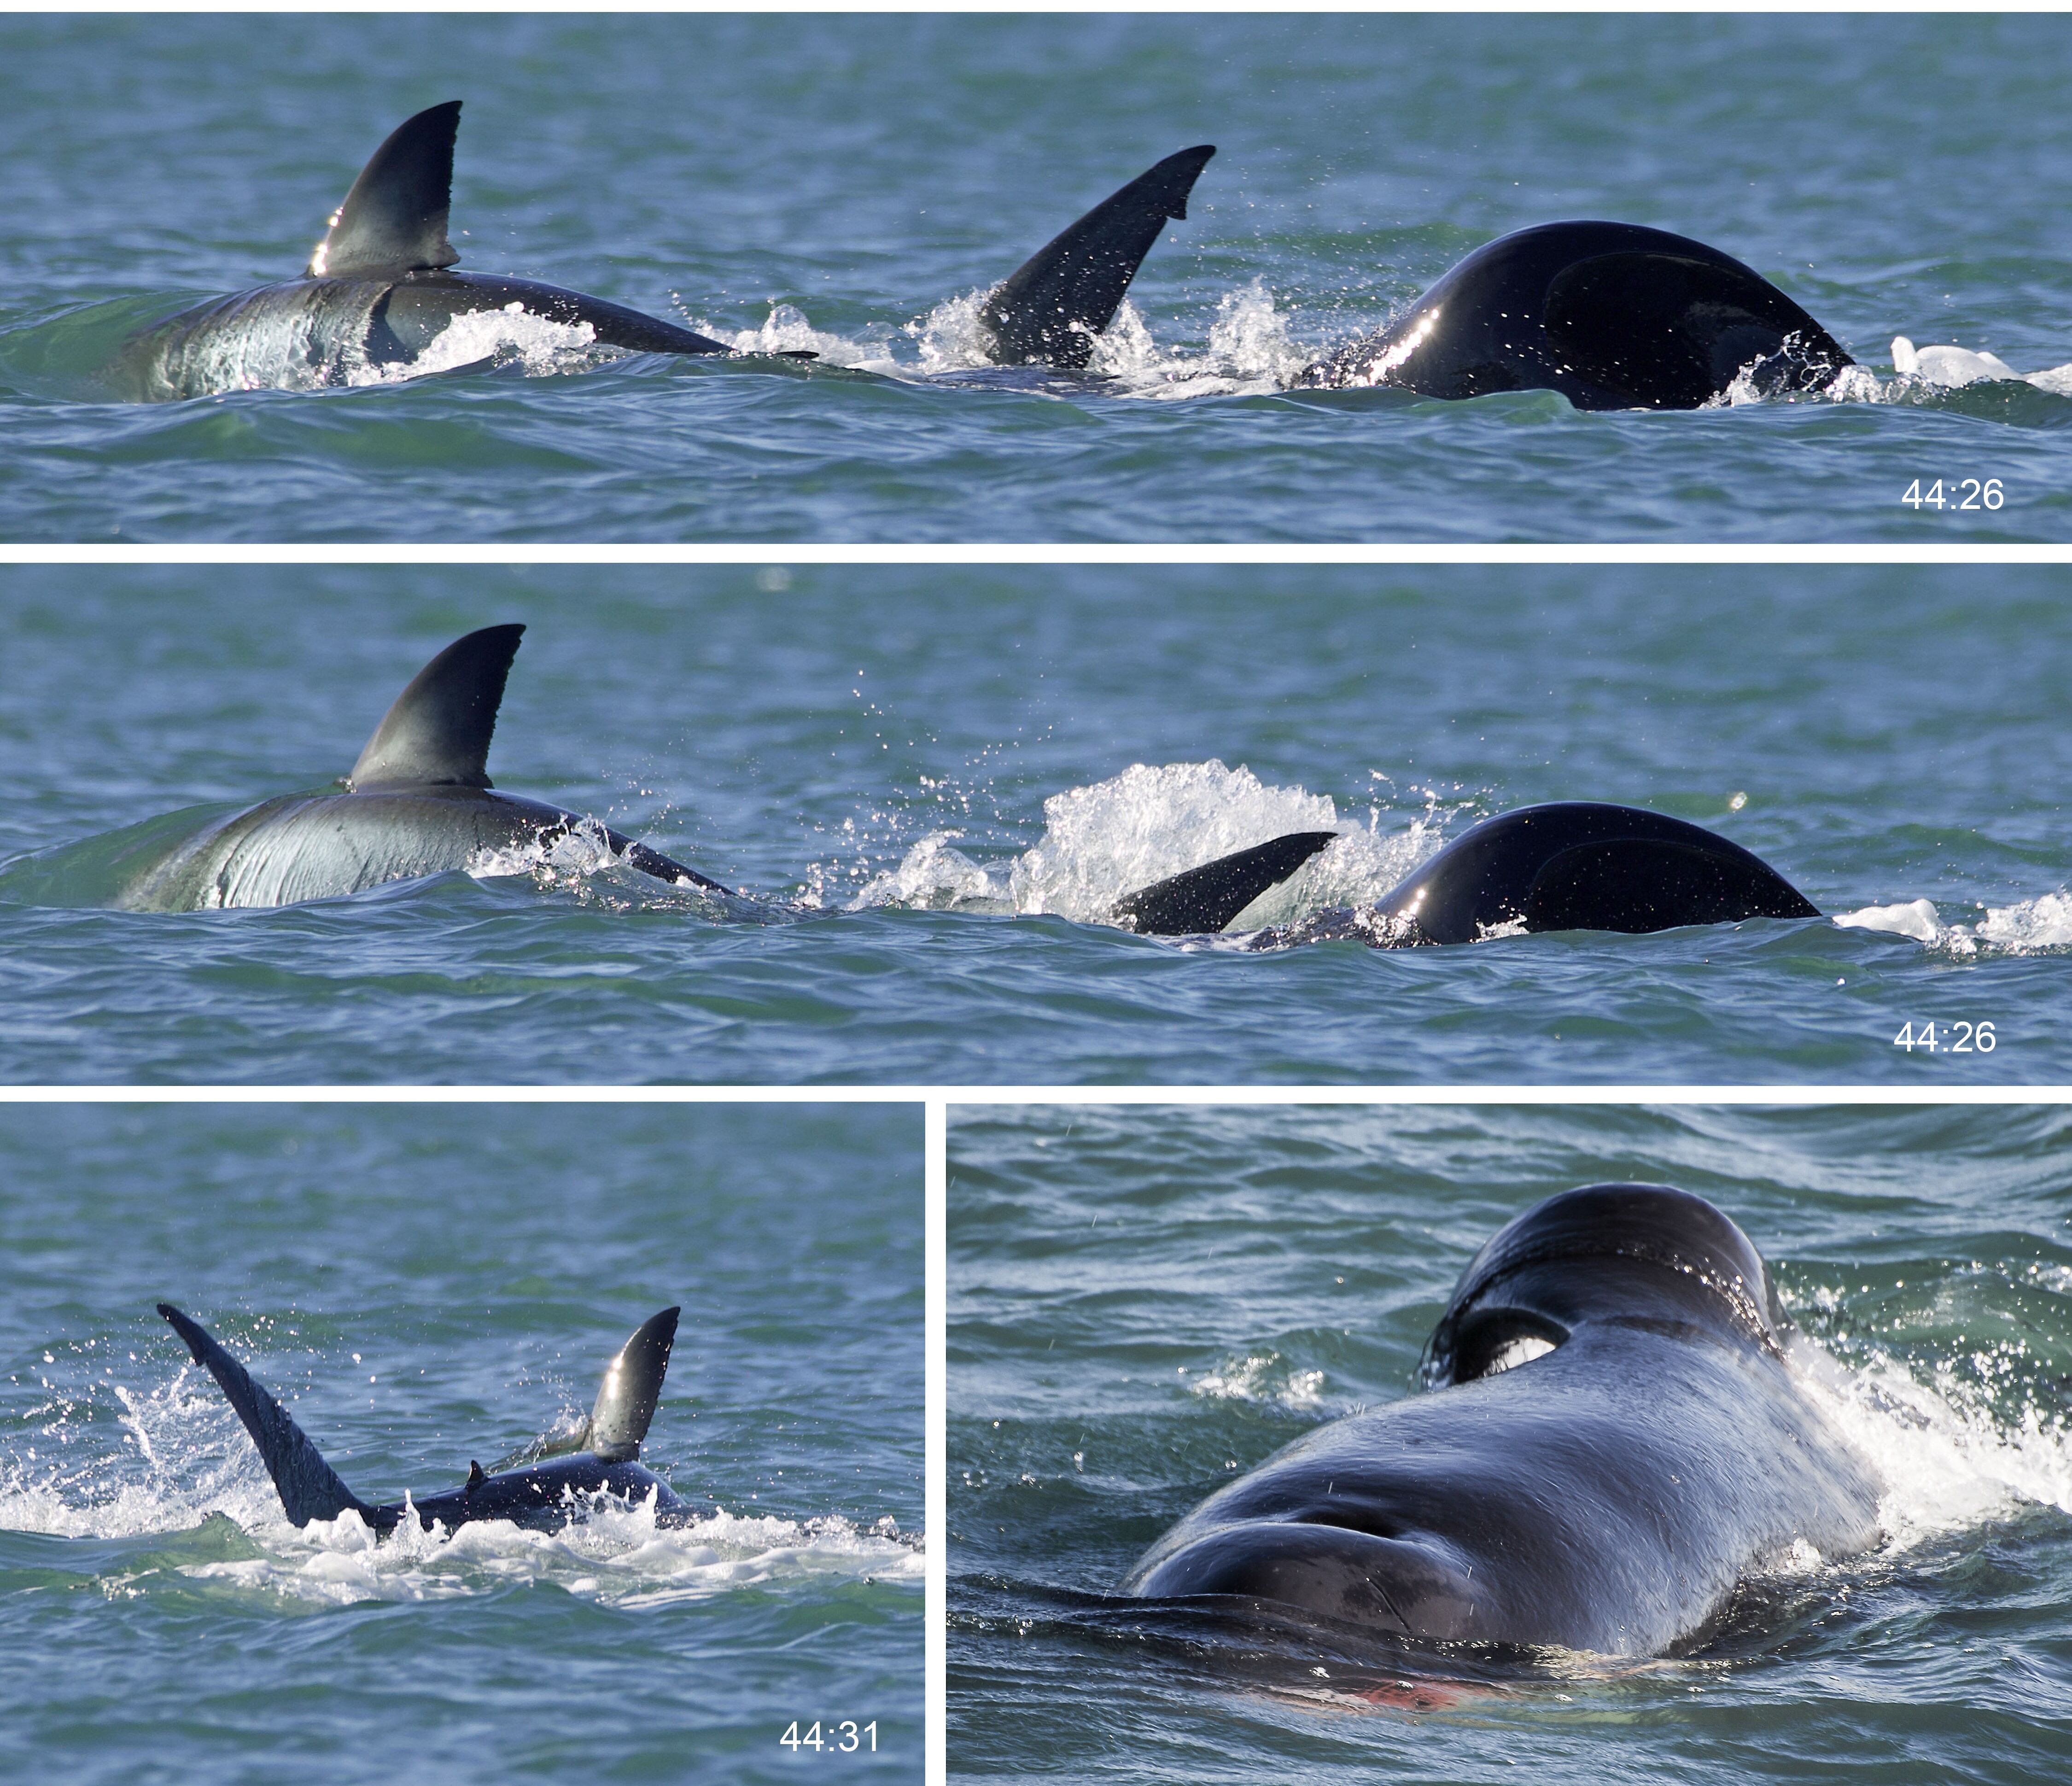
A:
(786, 329)
(2029, 927)
(1951, 367)
(1261, 1377)
(617, 1555)
(1119, 836)
(1145, 825)
(510, 336)
(1948, 1460)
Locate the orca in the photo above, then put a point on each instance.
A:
(1566, 865)
(379, 290)
(1612, 315)
(1612, 1443)
(418, 801)
(1050, 309)
(541, 1486)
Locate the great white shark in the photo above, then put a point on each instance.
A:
(1567, 865)
(380, 288)
(1614, 1442)
(541, 1486)
(418, 801)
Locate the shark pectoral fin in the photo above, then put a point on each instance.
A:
(662, 867)
(1208, 897)
(1067, 292)
(632, 1386)
(309, 1488)
(394, 219)
(439, 729)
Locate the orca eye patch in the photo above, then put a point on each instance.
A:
(1501, 1341)
(1514, 1352)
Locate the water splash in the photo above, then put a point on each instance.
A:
(2029, 927)
(510, 337)
(1115, 837)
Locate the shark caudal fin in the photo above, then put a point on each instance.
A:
(309, 1487)
(1205, 898)
(618, 1420)
(394, 219)
(438, 730)
(1053, 305)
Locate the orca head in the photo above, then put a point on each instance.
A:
(1603, 1252)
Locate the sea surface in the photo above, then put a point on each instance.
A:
(1144, 1301)
(930, 786)
(422, 1286)
(847, 185)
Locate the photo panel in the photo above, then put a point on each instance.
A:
(1058, 277)
(1594, 1441)
(414, 1442)
(1050, 824)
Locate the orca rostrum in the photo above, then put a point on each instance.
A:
(1614, 1444)
(1566, 865)
(419, 801)
(541, 1486)
(380, 289)
(1612, 315)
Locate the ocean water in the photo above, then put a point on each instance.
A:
(847, 184)
(423, 1285)
(1143, 1301)
(930, 785)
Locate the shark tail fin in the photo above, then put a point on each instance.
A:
(1053, 305)
(394, 219)
(309, 1487)
(1205, 898)
(438, 730)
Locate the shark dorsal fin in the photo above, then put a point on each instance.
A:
(438, 731)
(394, 219)
(632, 1386)
(1051, 306)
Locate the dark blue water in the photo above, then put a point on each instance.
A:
(1143, 1301)
(845, 184)
(423, 1286)
(933, 784)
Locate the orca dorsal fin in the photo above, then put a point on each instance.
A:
(437, 733)
(632, 1386)
(1056, 300)
(309, 1487)
(394, 219)
(1203, 900)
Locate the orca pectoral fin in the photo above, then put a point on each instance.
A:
(1053, 305)
(632, 1386)
(394, 219)
(1638, 885)
(1205, 898)
(309, 1487)
(439, 729)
